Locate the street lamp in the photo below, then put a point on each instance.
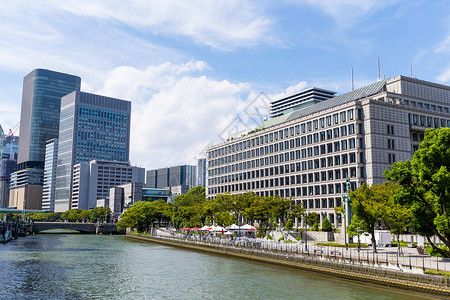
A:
(306, 230)
(346, 200)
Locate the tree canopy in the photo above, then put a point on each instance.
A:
(425, 187)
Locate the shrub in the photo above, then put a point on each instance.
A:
(269, 237)
(315, 227)
(298, 238)
(351, 245)
(326, 225)
(432, 252)
(289, 224)
(281, 239)
(438, 273)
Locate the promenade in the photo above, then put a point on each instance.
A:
(409, 260)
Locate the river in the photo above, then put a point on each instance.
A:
(76, 266)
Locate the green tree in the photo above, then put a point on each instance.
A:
(71, 215)
(315, 226)
(398, 218)
(312, 218)
(141, 215)
(99, 214)
(354, 229)
(367, 205)
(326, 225)
(425, 187)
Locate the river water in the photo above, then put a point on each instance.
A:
(75, 266)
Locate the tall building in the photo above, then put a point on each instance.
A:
(299, 100)
(39, 116)
(92, 127)
(92, 181)
(182, 175)
(8, 165)
(311, 153)
(201, 171)
(48, 193)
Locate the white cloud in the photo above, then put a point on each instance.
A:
(176, 114)
(219, 24)
(444, 77)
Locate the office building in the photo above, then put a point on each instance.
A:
(8, 165)
(172, 176)
(92, 181)
(201, 171)
(25, 189)
(92, 127)
(310, 153)
(48, 193)
(298, 101)
(39, 116)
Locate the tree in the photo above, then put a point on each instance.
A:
(141, 215)
(398, 218)
(315, 226)
(99, 213)
(312, 218)
(425, 187)
(326, 225)
(367, 205)
(354, 229)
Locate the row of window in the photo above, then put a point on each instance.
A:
(296, 155)
(294, 179)
(427, 121)
(316, 190)
(309, 126)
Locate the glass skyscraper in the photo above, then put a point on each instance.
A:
(39, 119)
(91, 127)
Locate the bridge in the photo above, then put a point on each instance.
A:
(97, 228)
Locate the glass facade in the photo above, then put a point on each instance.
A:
(91, 127)
(41, 103)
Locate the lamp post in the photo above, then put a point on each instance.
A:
(345, 200)
(306, 230)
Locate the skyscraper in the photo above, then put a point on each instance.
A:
(92, 127)
(39, 118)
(8, 165)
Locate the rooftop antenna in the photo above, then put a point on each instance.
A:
(378, 63)
(410, 70)
(353, 83)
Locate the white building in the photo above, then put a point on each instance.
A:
(308, 154)
(93, 180)
(48, 193)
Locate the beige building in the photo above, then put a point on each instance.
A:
(26, 189)
(309, 154)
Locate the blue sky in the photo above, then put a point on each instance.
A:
(191, 67)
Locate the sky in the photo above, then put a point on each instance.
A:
(199, 72)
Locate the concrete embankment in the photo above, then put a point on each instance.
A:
(436, 285)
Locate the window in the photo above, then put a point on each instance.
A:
(350, 114)
(343, 116)
(329, 121)
(336, 118)
(351, 129)
(344, 144)
(343, 130)
(351, 143)
(322, 122)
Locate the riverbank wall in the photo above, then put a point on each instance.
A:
(423, 283)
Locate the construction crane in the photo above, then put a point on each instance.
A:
(11, 132)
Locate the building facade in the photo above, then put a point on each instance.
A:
(39, 116)
(8, 165)
(311, 153)
(48, 193)
(182, 175)
(92, 127)
(299, 100)
(25, 189)
(201, 171)
(92, 181)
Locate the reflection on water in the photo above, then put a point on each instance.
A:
(114, 267)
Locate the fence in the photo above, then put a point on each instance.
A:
(387, 258)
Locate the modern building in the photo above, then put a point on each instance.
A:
(92, 127)
(172, 176)
(39, 117)
(25, 189)
(201, 171)
(124, 196)
(92, 181)
(310, 153)
(299, 100)
(48, 194)
(8, 165)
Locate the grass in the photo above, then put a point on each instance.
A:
(438, 273)
(352, 245)
(290, 242)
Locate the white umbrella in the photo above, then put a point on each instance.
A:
(247, 227)
(233, 227)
